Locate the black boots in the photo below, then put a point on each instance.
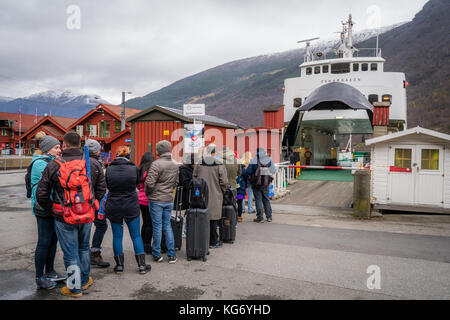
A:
(143, 268)
(119, 264)
(97, 260)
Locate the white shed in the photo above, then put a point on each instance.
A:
(410, 171)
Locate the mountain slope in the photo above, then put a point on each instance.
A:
(239, 90)
(58, 103)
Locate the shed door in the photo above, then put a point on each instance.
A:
(429, 175)
(416, 174)
(401, 175)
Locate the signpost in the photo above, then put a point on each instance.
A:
(194, 138)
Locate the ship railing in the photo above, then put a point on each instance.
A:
(359, 53)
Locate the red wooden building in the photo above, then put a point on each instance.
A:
(51, 125)
(267, 137)
(161, 123)
(10, 131)
(103, 123)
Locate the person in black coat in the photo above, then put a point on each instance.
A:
(122, 178)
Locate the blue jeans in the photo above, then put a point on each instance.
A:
(135, 234)
(100, 229)
(262, 199)
(250, 199)
(161, 213)
(44, 256)
(74, 241)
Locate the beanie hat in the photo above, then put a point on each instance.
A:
(163, 146)
(47, 142)
(93, 146)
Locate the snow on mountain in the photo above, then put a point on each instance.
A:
(65, 103)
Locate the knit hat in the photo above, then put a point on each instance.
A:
(93, 146)
(163, 146)
(47, 142)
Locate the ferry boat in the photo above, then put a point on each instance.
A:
(334, 95)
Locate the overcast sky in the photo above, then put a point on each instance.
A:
(144, 45)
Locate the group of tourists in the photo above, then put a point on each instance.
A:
(70, 191)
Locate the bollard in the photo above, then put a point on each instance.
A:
(361, 194)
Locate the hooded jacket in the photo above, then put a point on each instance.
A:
(214, 173)
(161, 179)
(233, 166)
(122, 177)
(264, 159)
(40, 162)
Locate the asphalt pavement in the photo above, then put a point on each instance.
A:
(305, 253)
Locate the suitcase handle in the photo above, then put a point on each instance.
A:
(178, 202)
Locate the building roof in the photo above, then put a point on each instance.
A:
(118, 109)
(416, 130)
(59, 128)
(273, 108)
(28, 120)
(206, 119)
(113, 110)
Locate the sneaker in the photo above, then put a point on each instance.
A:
(44, 283)
(269, 219)
(239, 219)
(183, 234)
(66, 291)
(217, 245)
(54, 276)
(258, 220)
(172, 259)
(158, 259)
(87, 285)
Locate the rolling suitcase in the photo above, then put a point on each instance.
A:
(227, 227)
(197, 235)
(176, 223)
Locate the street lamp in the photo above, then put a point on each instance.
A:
(122, 114)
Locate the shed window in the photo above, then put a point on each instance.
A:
(356, 67)
(317, 70)
(338, 68)
(373, 67)
(430, 159)
(308, 71)
(297, 102)
(403, 158)
(365, 67)
(325, 69)
(118, 126)
(5, 133)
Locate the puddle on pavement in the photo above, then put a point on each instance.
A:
(20, 285)
(148, 292)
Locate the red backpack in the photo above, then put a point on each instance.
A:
(79, 204)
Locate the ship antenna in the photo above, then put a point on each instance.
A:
(308, 55)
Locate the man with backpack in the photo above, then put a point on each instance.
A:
(260, 171)
(73, 196)
(214, 173)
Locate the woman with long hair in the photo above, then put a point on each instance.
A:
(147, 226)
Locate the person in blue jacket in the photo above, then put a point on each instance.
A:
(261, 171)
(44, 256)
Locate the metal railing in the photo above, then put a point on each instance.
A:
(283, 178)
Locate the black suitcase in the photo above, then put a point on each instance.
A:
(176, 223)
(227, 227)
(197, 235)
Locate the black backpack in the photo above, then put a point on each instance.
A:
(262, 176)
(28, 176)
(198, 194)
